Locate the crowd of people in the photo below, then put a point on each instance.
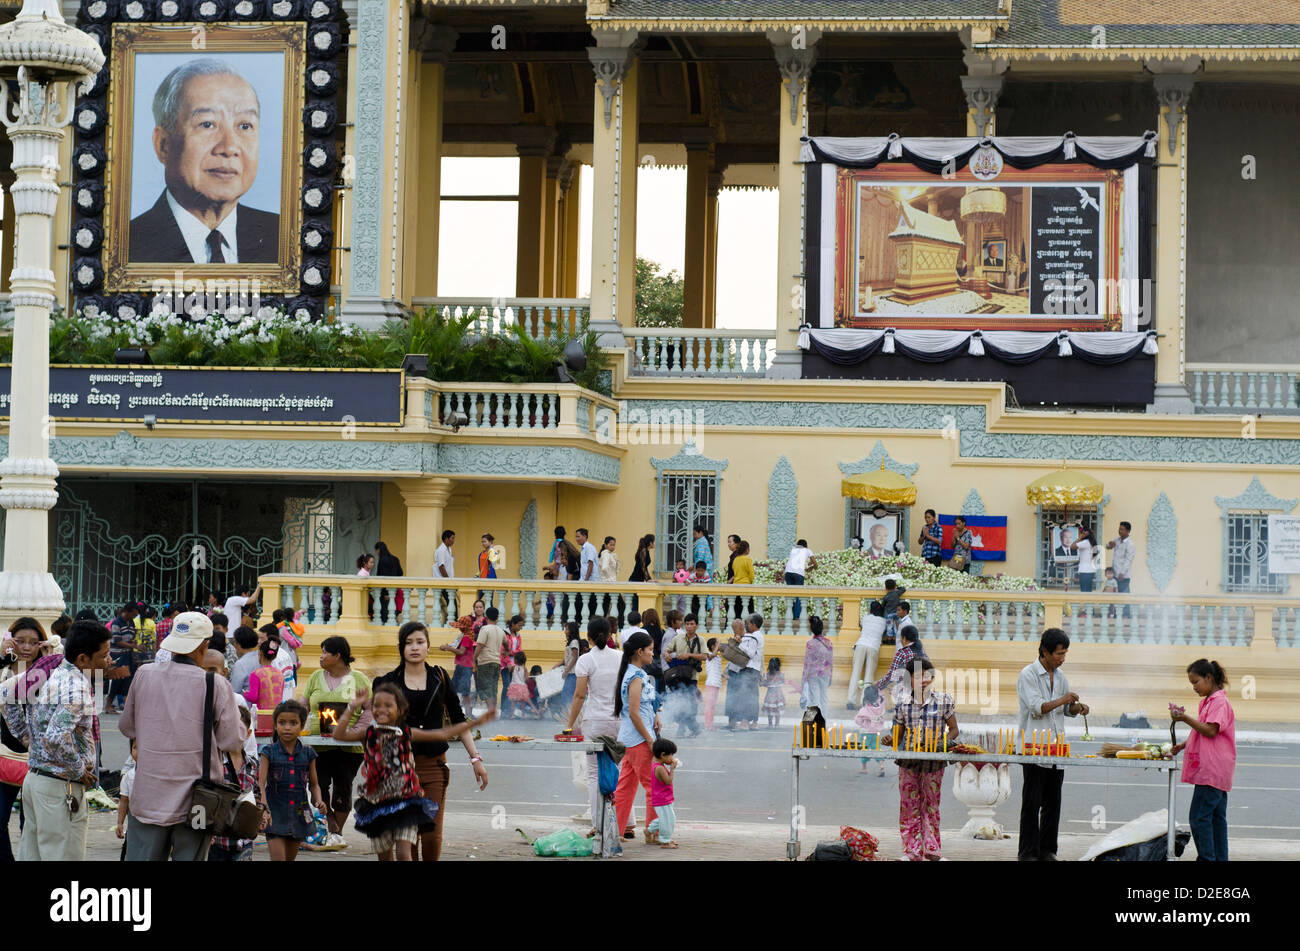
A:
(631, 679)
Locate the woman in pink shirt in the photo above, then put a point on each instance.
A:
(266, 682)
(1211, 759)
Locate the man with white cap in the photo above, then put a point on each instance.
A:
(169, 699)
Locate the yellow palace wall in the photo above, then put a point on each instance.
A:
(943, 482)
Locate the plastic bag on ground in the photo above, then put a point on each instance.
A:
(1145, 828)
(564, 843)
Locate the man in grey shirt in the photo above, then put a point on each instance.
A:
(1045, 701)
(246, 648)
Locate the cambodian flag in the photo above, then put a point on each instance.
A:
(990, 533)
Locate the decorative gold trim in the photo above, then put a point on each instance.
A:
(1118, 53)
(120, 274)
(761, 26)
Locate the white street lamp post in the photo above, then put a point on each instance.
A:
(47, 58)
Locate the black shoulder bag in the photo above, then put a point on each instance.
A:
(215, 806)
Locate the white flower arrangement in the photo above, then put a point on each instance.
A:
(852, 568)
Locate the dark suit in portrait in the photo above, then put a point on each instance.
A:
(156, 238)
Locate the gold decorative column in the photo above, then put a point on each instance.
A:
(426, 500)
(532, 215)
(796, 52)
(711, 251)
(1173, 84)
(570, 227)
(435, 43)
(695, 267)
(614, 165)
(551, 249)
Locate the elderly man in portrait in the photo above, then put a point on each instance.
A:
(207, 130)
(878, 538)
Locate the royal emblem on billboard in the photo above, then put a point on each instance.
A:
(986, 163)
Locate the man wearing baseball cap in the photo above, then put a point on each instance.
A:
(168, 732)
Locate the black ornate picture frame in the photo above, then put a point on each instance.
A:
(322, 76)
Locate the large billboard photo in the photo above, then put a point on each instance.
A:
(1048, 248)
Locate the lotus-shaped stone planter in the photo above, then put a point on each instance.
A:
(981, 787)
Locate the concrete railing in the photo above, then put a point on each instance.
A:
(672, 351)
(1128, 652)
(1231, 388)
(542, 318)
(550, 409)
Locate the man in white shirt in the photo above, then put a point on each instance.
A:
(1125, 553)
(587, 571)
(866, 652)
(633, 626)
(796, 566)
(235, 603)
(1045, 700)
(1122, 562)
(444, 563)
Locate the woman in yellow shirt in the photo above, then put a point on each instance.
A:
(742, 573)
(743, 566)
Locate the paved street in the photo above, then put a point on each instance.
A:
(733, 801)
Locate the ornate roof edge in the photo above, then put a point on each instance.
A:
(1118, 52)
(760, 25)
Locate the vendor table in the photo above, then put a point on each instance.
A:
(802, 753)
(582, 746)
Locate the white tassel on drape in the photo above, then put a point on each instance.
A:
(1070, 153)
(888, 345)
(1063, 339)
(895, 152)
(976, 346)
(1151, 346)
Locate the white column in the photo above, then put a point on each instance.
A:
(614, 167)
(35, 124)
(796, 52)
(1173, 83)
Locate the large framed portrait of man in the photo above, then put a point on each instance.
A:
(879, 533)
(204, 138)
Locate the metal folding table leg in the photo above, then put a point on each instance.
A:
(1169, 845)
(792, 846)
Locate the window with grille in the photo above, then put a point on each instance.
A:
(685, 499)
(1051, 572)
(1245, 553)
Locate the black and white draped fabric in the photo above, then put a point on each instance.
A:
(934, 154)
(846, 346)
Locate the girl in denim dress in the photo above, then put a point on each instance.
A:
(286, 773)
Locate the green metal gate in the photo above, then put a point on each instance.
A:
(100, 566)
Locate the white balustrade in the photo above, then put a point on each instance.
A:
(539, 318)
(1245, 389)
(709, 353)
(515, 409)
